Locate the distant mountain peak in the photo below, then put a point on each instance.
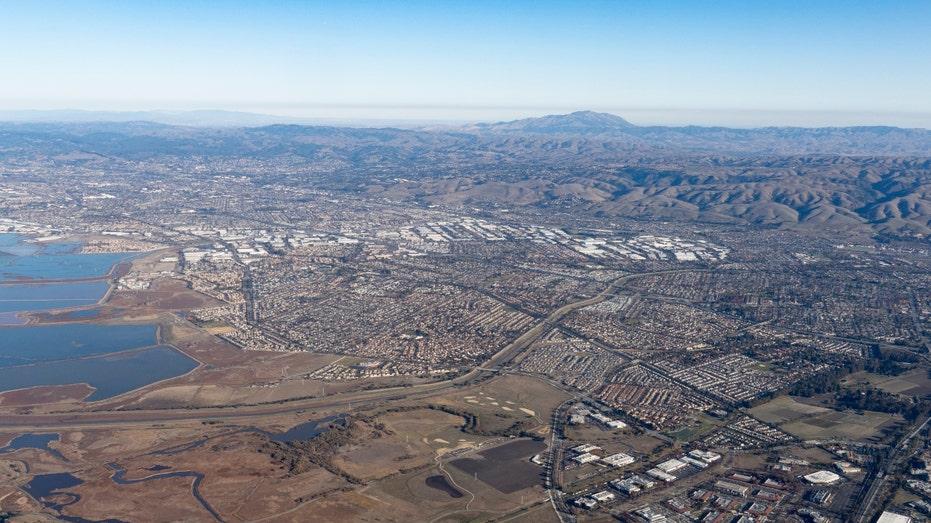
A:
(595, 118)
(579, 123)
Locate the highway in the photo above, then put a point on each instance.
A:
(521, 344)
(141, 418)
(244, 413)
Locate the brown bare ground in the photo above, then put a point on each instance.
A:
(492, 399)
(46, 394)
(15, 501)
(240, 482)
(237, 377)
(411, 444)
(165, 294)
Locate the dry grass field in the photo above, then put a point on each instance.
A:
(849, 425)
(502, 401)
(643, 444)
(416, 438)
(785, 409)
(809, 421)
(914, 383)
(241, 480)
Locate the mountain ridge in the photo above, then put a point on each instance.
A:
(848, 179)
(579, 123)
(767, 140)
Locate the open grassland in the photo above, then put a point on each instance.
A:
(163, 295)
(701, 425)
(240, 480)
(257, 377)
(914, 383)
(849, 425)
(643, 444)
(785, 409)
(594, 432)
(412, 440)
(812, 422)
(501, 402)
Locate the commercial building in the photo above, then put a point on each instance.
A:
(705, 455)
(734, 489)
(671, 465)
(618, 460)
(892, 517)
(582, 459)
(661, 475)
(822, 477)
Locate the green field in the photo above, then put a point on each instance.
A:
(703, 424)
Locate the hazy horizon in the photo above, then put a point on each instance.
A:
(737, 64)
(414, 116)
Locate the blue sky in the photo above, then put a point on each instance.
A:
(676, 62)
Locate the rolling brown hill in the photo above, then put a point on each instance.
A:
(853, 178)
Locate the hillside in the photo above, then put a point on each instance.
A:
(856, 178)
